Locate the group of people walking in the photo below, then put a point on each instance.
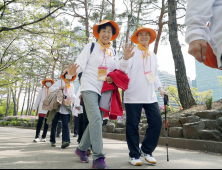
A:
(101, 73)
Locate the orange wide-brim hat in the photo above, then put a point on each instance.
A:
(47, 79)
(114, 24)
(151, 31)
(63, 75)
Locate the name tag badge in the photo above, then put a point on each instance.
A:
(102, 72)
(67, 102)
(150, 77)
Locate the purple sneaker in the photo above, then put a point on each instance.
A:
(99, 164)
(82, 155)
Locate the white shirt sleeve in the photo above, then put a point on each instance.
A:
(77, 99)
(198, 13)
(38, 100)
(157, 84)
(83, 58)
(72, 95)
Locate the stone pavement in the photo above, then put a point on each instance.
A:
(18, 152)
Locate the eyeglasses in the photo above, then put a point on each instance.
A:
(144, 35)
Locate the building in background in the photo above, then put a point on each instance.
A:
(166, 80)
(194, 84)
(207, 78)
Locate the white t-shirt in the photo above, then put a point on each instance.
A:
(89, 66)
(140, 90)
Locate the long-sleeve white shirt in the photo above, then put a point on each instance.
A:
(77, 104)
(140, 90)
(39, 101)
(70, 93)
(89, 66)
(198, 14)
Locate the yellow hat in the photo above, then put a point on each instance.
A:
(63, 75)
(114, 24)
(151, 31)
(47, 79)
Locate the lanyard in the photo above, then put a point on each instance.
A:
(104, 58)
(144, 65)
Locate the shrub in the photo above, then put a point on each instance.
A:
(29, 124)
(7, 123)
(14, 123)
(19, 123)
(36, 124)
(209, 102)
(14, 119)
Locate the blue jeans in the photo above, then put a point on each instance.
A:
(65, 128)
(154, 120)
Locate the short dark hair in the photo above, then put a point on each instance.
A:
(104, 27)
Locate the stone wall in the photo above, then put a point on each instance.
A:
(205, 125)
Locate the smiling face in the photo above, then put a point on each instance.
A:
(105, 35)
(144, 38)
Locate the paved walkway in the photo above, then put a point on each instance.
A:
(18, 152)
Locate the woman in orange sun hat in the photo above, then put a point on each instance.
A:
(143, 75)
(96, 61)
(47, 83)
(64, 111)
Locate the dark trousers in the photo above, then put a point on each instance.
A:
(59, 128)
(76, 125)
(154, 120)
(82, 124)
(105, 122)
(65, 127)
(39, 127)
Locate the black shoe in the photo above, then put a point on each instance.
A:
(64, 145)
(58, 136)
(75, 135)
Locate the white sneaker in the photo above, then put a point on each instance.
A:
(148, 158)
(43, 140)
(135, 161)
(36, 140)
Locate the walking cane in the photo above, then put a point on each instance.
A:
(166, 126)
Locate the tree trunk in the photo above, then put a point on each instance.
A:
(138, 14)
(8, 103)
(127, 32)
(102, 9)
(31, 98)
(27, 108)
(160, 27)
(20, 90)
(34, 95)
(113, 17)
(14, 101)
(53, 70)
(184, 92)
(87, 20)
(24, 100)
